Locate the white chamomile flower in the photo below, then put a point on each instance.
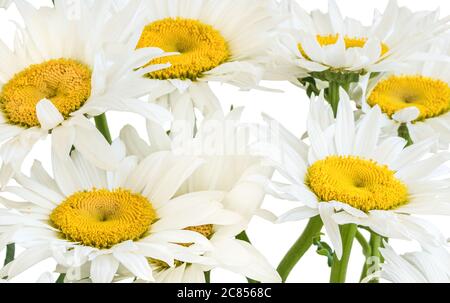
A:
(319, 42)
(97, 224)
(229, 167)
(416, 96)
(216, 41)
(428, 266)
(59, 75)
(349, 174)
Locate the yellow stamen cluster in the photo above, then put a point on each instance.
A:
(205, 230)
(201, 47)
(349, 43)
(362, 184)
(103, 218)
(66, 82)
(430, 96)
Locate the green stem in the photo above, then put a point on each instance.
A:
(333, 96)
(375, 242)
(375, 257)
(208, 277)
(10, 253)
(403, 132)
(367, 250)
(300, 247)
(61, 279)
(244, 237)
(102, 125)
(339, 268)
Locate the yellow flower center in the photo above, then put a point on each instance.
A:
(103, 218)
(205, 230)
(201, 47)
(363, 184)
(430, 96)
(66, 82)
(349, 43)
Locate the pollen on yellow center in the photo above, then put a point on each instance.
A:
(201, 47)
(66, 82)
(103, 218)
(350, 42)
(430, 96)
(362, 184)
(205, 230)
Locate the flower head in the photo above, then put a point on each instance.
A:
(229, 167)
(213, 41)
(91, 221)
(56, 80)
(326, 45)
(351, 174)
(417, 96)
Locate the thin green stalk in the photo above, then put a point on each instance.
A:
(339, 268)
(367, 250)
(208, 277)
(300, 247)
(375, 258)
(333, 96)
(61, 279)
(10, 253)
(102, 125)
(403, 132)
(376, 242)
(244, 237)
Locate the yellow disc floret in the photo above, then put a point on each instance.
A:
(103, 218)
(205, 230)
(430, 96)
(66, 82)
(201, 47)
(363, 184)
(350, 42)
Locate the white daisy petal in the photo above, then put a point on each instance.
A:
(103, 269)
(345, 126)
(28, 259)
(407, 115)
(48, 115)
(136, 264)
(368, 133)
(298, 214)
(326, 211)
(241, 257)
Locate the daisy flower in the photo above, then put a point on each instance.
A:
(349, 174)
(97, 224)
(428, 266)
(332, 48)
(60, 74)
(415, 97)
(216, 41)
(229, 167)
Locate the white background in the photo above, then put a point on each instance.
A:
(291, 109)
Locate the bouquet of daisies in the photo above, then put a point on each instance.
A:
(173, 203)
